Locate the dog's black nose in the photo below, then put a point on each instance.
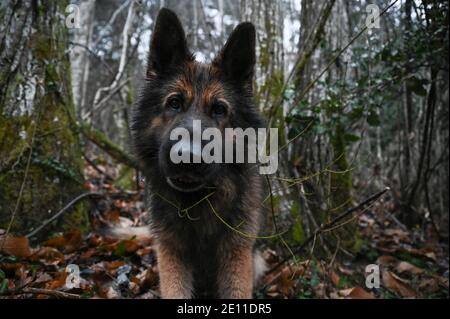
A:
(183, 151)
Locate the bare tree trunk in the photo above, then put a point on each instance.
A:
(79, 55)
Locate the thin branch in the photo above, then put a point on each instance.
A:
(102, 141)
(42, 291)
(98, 107)
(112, 19)
(331, 225)
(62, 211)
(98, 169)
(122, 63)
(95, 55)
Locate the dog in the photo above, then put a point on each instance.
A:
(205, 217)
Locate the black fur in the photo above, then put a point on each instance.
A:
(199, 238)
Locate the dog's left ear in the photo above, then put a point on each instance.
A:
(237, 58)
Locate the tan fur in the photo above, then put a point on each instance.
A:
(236, 273)
(183, 85)
(156, 123)
(213, 92)
(175, 278)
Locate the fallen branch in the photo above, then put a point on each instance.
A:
(329, 225)
(42, 291)
(98, 169)
(62, 211)
(101, 140)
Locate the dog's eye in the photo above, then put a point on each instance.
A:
(175, 103)
(219, 110)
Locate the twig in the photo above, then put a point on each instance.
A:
(330, 224)
(95, 55)
(111, 20)
(98, 169)
(122, 63)
(42, 291)
(62, 211)
(98, 106)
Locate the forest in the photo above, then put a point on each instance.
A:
(359, 93)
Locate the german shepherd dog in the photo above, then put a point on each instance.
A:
(206, 250)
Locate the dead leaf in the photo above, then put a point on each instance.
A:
(360, 293)
(43, 277)
(386, 260)
(405, 266)
(423, 252)
(15, 246)
(48, 255)
(144, 251)
(146, 279)
(58, 282)
(429, 285)
(346, 271)
(283, 283)
(70, 241)
(356, 293)
(398, 285)
(397, 235)
(113, 265)
(112, 216)
(335, 279)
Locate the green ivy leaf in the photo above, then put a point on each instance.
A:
(373, 119)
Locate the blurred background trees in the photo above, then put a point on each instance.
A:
(358, 108)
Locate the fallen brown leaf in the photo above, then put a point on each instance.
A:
(356, 293)
(48, 255)
(386, 260)
(335, 279)
(423, 252)
(58, 282)
(15, 246)
(404, 266)
(398, 285)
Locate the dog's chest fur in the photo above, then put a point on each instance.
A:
(200, 236)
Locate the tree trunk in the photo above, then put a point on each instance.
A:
(40, 155)
(79, 54)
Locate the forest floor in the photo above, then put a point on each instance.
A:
(409, 266)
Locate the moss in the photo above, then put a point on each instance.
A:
(55, 174)
(126, 178)
(102, 141)
(340, 187)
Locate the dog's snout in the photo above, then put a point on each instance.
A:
(186, 149)
(183, 150)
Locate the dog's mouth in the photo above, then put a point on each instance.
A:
(185, 183)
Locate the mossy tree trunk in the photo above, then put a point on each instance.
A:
(40, 154)
(341, 191)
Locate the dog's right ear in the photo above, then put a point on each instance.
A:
(168, 47)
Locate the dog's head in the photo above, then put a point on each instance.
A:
(179, 92)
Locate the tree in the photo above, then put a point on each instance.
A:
(40, 154)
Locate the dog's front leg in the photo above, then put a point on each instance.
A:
(175, 277)
(235, 276)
